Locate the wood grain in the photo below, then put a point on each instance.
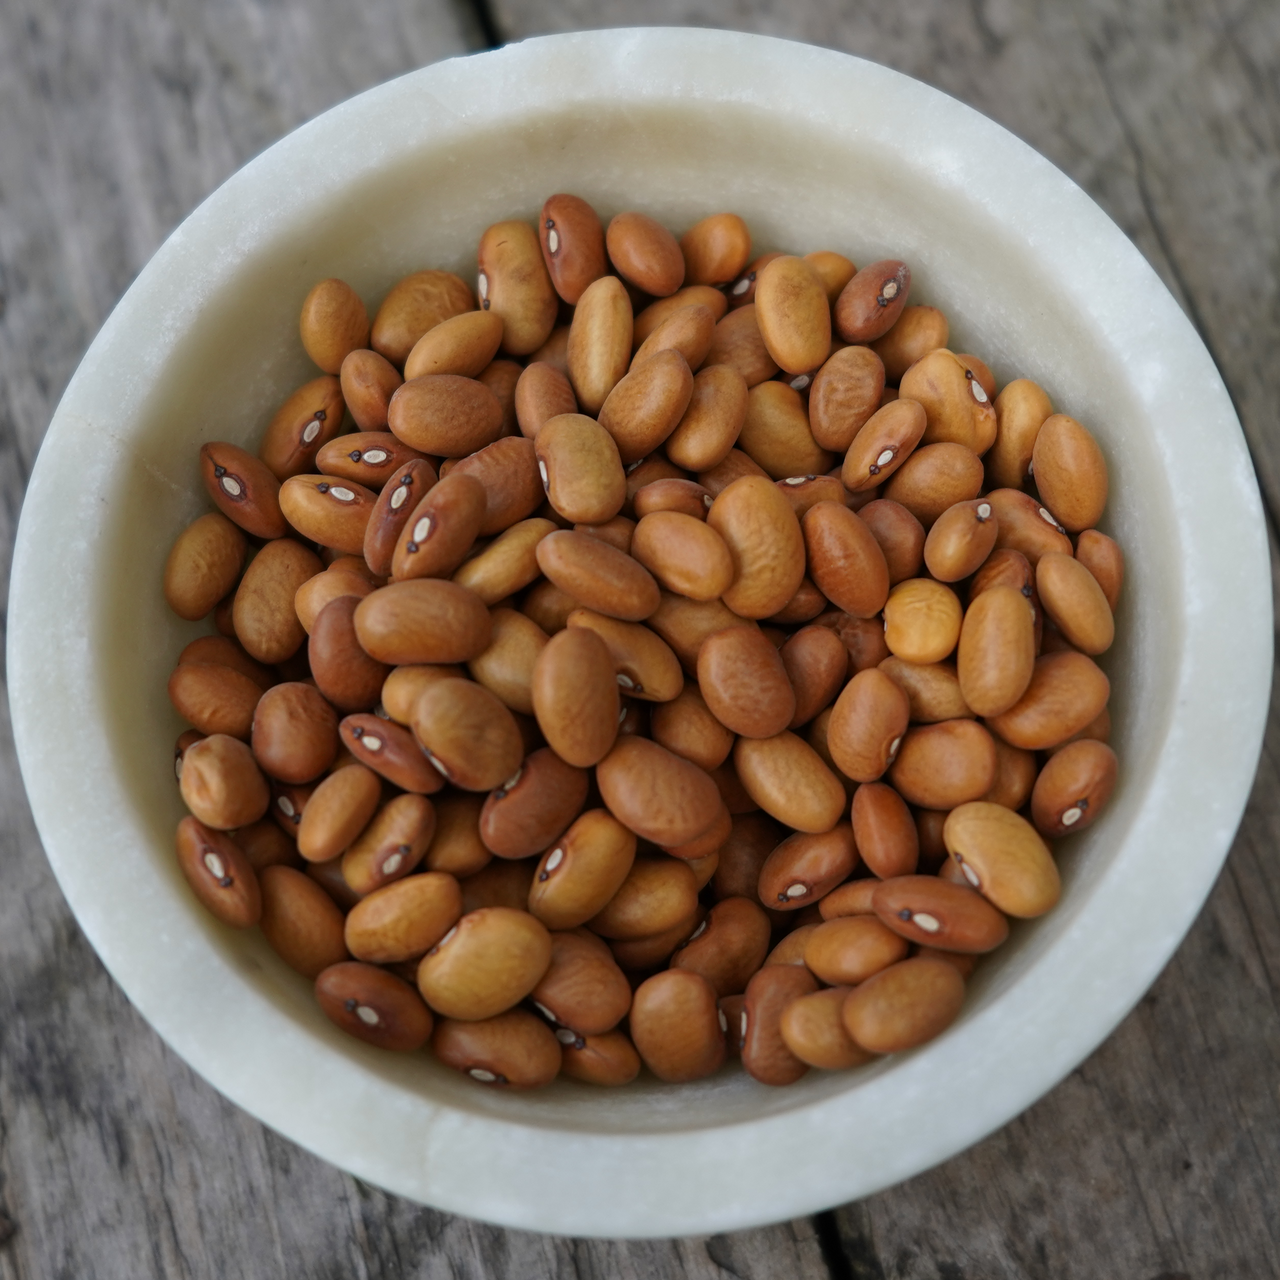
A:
(1156, 1159)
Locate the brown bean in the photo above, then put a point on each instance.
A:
(706, 845)
(243, 489)
(737, 342)
(599, 576)
(776, 435)
(415, 304)
(997, 652)
(583, 992)
(507, 564)
(508, 470)
(884, 831)
(728, 947)
(464, 344)
(655, 793)
(1066, 692)
(1015, 776)
(513, 283)
(321, 590)
(367, 382)
(580, 466)
(445, 414)
(424, 620)
(932, 689)
(645, 254)
(961, 539)
(441, 529)
(295, 732)
(506, 667)
(904, 1005)
(308, 419)
(742, 677)
(1021, 409)
(1076, 602)
(735, 465)
(338, 811)
(572, 242)
(935, 477)
(1001, 855)
(787, 779)
(712, 421)
(374, 1005)
(1070, 472)
(815, 663)
(900, 535)
(599, 342)
(684, 554)
(845, 560)
(343, 672)
(468, 734)
(657, 313)
(684, 496)
(542, 393)
(676, 1026)
(1104, 559)
(688, 331)
(715, 249)
(845, 393)
(743, 290)
(870, 304)
(610, 1059)
(203, 565)
(617, 532)
(215, 698)
(577, 878)
(548, 606)
(769, 993)
(391, 512)
(514, 1050)
(916, 332)
(500, 883)
(369, 458)
(790, 950)
(1073, 787)
(455, 845)
(1026, 525)
(333, 323)
(883, 444)
(955, 403)
(300, 921)
(645, 666)
(219, 874)
(575, 696)
(753, 837)
(942, 765)
(813, 1030)
(684, 624)
(403, 685)
(402, 920)
(793, 314)
(530, 810)
(805, 492)
(264, 844)
(930, 911)
(391, 845)
(288, 801)
(765, 542)
(646, 405)
(850, 949)
(221, 783)
(333, 512)
(807, 603)
(922, 620)
(686, 726)
(806, 867)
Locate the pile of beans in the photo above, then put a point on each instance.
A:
(677, 656)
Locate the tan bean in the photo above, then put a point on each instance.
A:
(737, 342)
(805, 492)
(392, 511)
(683, 553)
(844, 395)
(816, 664)
(930, 911)
(884, 831)
(833, 269)
(705, 845)
(1066, 692)
(578, 877)
(955, 403)
(225, 652)
(548, 606)
(1008, 568)
(688, 331)
(883, 444)
(580, 466)
(610, 1059)
(961, 539)
(935, 477)
(922, 621)
(507, 564)
(645, 254)
(743, 290)
(203, 565)
(616, 531)
(513, 283)
(295, 733)
(813, 1030)
(845, 560)
(712, 421)
(506, 667)
(684, 624)
(1073, 787)
(514, 1050)
(243, 489)
(333, 512)
(402, 920)
(657, 313)
(683, 496)
(445, 414)
(1104, 559)
(1026, 525)
(769, 993)
(221, 784)
(542, 393)
(850, 949)
(686, 727)
(215, 698)
(742, 677)
(736, 464)
(646, 405)
(645, 666)
(904, 1006)
(403, 685)
(391, 845)
(455, 846)
(599, 342)
(793, 314)
(367, 382)
(264, 844)
(1015, 776)
(464, 344)
(915, 333)
(655, 793)
(468, 734)
(575, 696)
(441, 529)
(765, 542)
(572, 242)
(424, 620)
(598, 575)
(583, 992)
(508, 469)
(308, 419)
(219, 874)
(790, 950)
(1070, 472)
(370, 458)
(753, 837)
(807, 603)
(676, 1026)
(932, 689)
(776, 433)
(374, 1005)
(643, 955)
(715, 249)
(415, 304)
(343, 672)
(997, 651)
(1001, 855)
(338, 811)
(788, 779)
(805, 867)
(1021, 409)
(656, 895)
(500, 883)
(318, 592)
(870, 304)
(534, 807)
(942, 765)
(300, 921)
(1076, 602)
(900, 535)
(333, 324)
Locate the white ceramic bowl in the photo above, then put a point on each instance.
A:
(816, 150)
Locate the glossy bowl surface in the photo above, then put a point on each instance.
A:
(816, 150)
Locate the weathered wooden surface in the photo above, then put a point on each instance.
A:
(1158, 1158)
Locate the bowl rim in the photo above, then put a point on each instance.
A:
(655, 1184)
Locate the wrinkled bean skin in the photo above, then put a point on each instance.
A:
(610, 1059)
(929, 911)
(1026, 525)
(728, 947)
(916, 332)
(1003, 857)
(812, 1028)
(645, 665)
(686, 726)
(883, 444)
(581, 873)
(997, 651)
(214, 698)
(579, 463)
(1066, 692)
(1021, 409)
(1104, 559)
(816, 665)
(776, 435)
(955, 403)
(445, 415)
(844, 395)
(655, 793)
(765, 543)
(793, 314)
(932, 689)
(367, 382)
(737, 342)
(1074, 600)
(712, 421)
(744, 682)
(645, 254)
(393, 844)
(884, 831)
(583, 990)
(688, 332)
(514, 1050)
(575, 696)
(845, 560)
(904, 1006)
(715, 249)
(943, 765)
(867, 725)
(922, 621)
(935, 477)
(806, 867)
(961, 539)
(850, 949)
(1070, 472)
(374, 1005)
(870, 304)
(343, 672)
(599, 576)
(657, 894)
(339, 809)
(599, 342)
(530, 811)
(646, 405)
(219, 874)
(295, 733)
(787, 778)
(300, 921)
(221, 784)
(203, 566)
(764, 1052)
(424, 620)
(676, 1026)
(468, 734)
(1073, 787)
(488, 962)
(308, 419)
